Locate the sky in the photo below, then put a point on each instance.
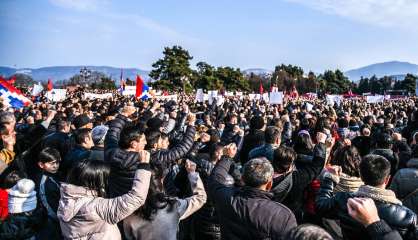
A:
(314, 34)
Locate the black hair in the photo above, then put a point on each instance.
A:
(49, 154)
(349, 159)
(283, 158)
(91, 174)
(342, 123)
(374, 169)
(152, 138)
(11, 178)
(303, 143)
(256, 122)
(81, 134)
(129, 134)
(271, 134)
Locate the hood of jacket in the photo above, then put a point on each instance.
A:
(72, 199)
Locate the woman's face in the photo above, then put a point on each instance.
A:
(218, 154)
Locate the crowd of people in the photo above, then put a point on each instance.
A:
(124, 168)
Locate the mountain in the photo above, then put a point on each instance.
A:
(257, 71)
(383, 69)
(57, 73)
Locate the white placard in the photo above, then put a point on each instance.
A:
(375, 99)
(276, 98)
(129, 90)
(265, 97)
(97, 96)
(168, 97)
(37, 89)
(199, 95)
(56, 95)
(212, 95)
(331, 99)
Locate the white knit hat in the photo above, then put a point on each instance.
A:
(22, 196)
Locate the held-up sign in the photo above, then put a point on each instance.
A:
(276, 98)
(375, 99)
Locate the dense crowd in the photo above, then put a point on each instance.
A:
(123, 168)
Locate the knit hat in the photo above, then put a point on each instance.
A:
(22, 196)
(99, 133)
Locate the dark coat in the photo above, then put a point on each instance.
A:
(292, 194)
(60, 141)
(23, 225)
(247, 213)
(253, 139)
(405, 182)
(334, 205)
(77, 154)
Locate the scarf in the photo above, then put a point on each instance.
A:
(378, 194)
(348, 184)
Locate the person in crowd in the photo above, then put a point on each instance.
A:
(384, 143)
(25, 220)
(254, 138)
(81, 150)
(159, 217)
(98, 134)
(375, 173)
(60, 139)
(86, 212)
(48, 188)
(248, 212)
(405, 183)
(348, 158)
(272, 138)
(303, 146)
(289, 183)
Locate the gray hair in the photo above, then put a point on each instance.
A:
(257, 172)
(308, 232)
(6, 117)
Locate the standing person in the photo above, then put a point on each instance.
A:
(159, 217)
(84, 211)
(248, 212)
(254, 138)
(98, 134)
(272, 141)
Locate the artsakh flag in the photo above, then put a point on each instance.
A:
(261, 88)
(12, 95)
(49, 87)
(12, 80)
(141, 88)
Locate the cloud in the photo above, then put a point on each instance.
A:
(384, 13)
(81, 5)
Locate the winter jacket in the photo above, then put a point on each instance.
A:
(166, 157)
(77, 154)
(334, 205)
(267, 151)
(405, 183)
(253, 139)
(165, 222)
(289, 189)
(381, 231)
(83, 215)
(60, 141)
(247, 213)
(22, 226)
(97, 153)
(390, 156)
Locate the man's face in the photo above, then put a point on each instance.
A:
(51, 167)
(163, 143)
(38, 116)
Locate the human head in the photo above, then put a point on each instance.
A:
(91, 174)
(308, 232)
(99, 134)
(216, 152)
(258, 173)
(7, 122)
(83, 138)
(374, 170)
(49, 160)
(272, 135)
(303, 142)
(349, 159)
(384, 140)
(256, 122)
(154, 140)
(63, 126)
(83, 121)
(132, 138)
(283, 159)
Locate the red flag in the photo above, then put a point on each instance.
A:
(12, 80)
(139, 86)
(49, 87)
(261, 88)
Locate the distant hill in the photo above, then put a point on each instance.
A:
(57, 73)
(257, 71)
(393, 68)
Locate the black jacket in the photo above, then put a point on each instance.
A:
(290, 191)
(24, 225)
(255, 138)
(78, 153)
(381, 231)
(334, 205)
(58, 140)
(247, 213)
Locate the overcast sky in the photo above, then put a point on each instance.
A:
(315, 34)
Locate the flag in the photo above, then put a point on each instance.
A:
(141, 88)
(261, 88)
(11, 95)
(12, 80)
(50, 87)
(122, 82)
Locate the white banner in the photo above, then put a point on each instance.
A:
(276, 98)
(331, 99)
(167, 97)
(37, 89)
(97, 96)
(129, 90)
(56, 95)
(200, 97)
(212, 95)
(375, 99)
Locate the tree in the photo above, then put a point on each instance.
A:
(23, 80)
(173, 70)
(232, 78)
(206, 77)
(409, 83)
(286, 76)
(336, 82)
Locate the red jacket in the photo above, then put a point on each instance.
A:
(4, 198)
